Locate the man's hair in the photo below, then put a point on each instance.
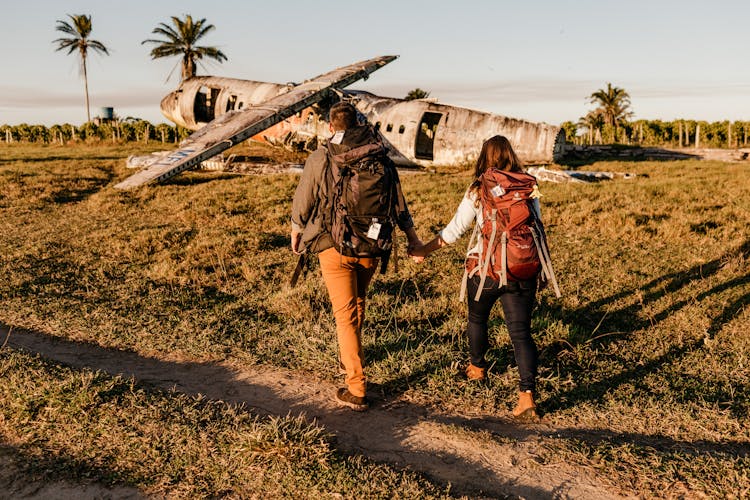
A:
(343, 116)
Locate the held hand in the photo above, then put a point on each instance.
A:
(418, 252)
(296, 238)
(414, 243)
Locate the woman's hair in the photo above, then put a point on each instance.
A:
(496, 153)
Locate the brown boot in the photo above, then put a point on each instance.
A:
(525, 410)
(475, 373)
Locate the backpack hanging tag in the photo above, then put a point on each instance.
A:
(497, 191)
(337, 137)
(374, 231)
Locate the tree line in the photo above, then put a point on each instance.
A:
(117, 132)
(609, 123)
(676, 133)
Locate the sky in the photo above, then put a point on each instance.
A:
(536, 60)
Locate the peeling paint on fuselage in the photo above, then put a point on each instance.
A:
(421, 132)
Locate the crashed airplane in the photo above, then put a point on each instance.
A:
(225, 111)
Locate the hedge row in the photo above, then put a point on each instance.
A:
(121, 131)
(724, 134)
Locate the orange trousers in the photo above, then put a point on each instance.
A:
(347, 279)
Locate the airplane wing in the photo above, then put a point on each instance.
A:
(234, 127)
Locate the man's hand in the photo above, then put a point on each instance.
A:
(415, 250)
(417, 253)
(296, 238)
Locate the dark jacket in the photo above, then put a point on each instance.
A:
(315, 184)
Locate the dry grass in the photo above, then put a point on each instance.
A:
(645, 360)
(83, 425)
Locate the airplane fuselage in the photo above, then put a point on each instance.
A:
(421, 132)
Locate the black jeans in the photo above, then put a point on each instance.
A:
(517, 299)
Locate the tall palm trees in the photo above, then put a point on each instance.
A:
(613, 104)
(181, 40)
(79, 30)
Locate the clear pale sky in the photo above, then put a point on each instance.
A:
(537, 60)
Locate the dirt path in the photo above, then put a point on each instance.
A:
(397, 432)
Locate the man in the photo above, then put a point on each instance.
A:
(346, 277)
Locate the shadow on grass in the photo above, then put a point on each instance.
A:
(73, 195)
(194, 179)
(29, 482)
(45, 159)
(650, 444)
(381, 434)
(625, 320)
(577, 156)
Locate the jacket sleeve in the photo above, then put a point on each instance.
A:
(462, 220)
(307, 192)
(403, 217)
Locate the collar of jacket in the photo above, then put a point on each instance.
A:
(353, 138)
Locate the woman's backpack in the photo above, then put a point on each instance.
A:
(513, 243)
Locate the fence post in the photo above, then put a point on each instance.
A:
(729, 135)
(697, 135)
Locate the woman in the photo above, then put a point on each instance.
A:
(517, 296)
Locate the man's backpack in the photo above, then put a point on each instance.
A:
(362, 195)
(513, 243)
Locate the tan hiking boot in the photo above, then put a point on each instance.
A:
(475, 373)
(525, 410)
(346, 398)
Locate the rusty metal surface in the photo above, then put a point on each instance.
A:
(235, 126)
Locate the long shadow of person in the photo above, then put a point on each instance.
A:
(624, 321)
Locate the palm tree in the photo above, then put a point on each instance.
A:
(181, 40)
(416, 93)
(592, 123)
(80, 29)
(614, 104)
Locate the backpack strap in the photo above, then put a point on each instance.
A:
(301, 269)
(485, 266)
(547, 271)
(504, 259)
(465, 279)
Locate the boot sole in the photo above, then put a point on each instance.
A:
(353, 406)
(529, 415)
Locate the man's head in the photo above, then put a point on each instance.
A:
(342, 116)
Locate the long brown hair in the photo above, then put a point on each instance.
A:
(496, 153)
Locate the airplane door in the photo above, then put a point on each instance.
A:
(424, 145)
(204, 108)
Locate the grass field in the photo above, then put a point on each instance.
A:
(645, 360)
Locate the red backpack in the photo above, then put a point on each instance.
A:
(513, 243)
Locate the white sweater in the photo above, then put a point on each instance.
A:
(468, 211)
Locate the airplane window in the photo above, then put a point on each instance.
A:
(231, 102)
(401, 129)
(377, 126)
(240, 105)
(388, 127)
